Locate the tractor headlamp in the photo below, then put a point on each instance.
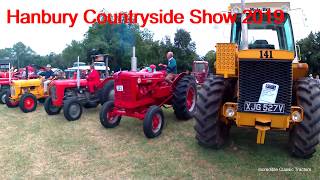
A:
(139, 80)
(296, 116)
(230, 112)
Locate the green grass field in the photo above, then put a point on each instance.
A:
(35, 145)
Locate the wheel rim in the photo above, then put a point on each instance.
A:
(156, 123)
(111, 117)
(28, 103)
(3, 98)
(191, 99)
(74, 110)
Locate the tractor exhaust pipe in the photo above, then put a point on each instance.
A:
(78, 74)
(133, 59)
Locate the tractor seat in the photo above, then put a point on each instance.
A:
(261, 44)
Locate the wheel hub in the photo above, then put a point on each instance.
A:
(156, 123)
(74, 110)
(28, 103)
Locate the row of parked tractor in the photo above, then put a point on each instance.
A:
(139, 94)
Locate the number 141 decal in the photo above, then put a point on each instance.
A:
(266, 54)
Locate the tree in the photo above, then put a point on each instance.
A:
(211, 58)
(310, 51)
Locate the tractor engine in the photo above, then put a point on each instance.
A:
(132, 89)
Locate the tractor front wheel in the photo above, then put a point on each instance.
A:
(3, 95)
(50, 108)
(28, 103)
(184, 98)
(153, 122)
(210, 130)
(304, 137)
(72, 109)
(107, 117)
(9, 102)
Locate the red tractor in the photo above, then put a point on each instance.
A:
(142, 94)
(200, 70)
(73, 94)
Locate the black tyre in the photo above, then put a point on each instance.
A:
(107, 119)
(10, 103)
(304, 137)
(210, 130)
(184, 98)
(153, 122)
(28, 103)
(107, 93)
(3, 95)
(50, 108)
(72, 109)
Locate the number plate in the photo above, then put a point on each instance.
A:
(274, 108)
(119, 88)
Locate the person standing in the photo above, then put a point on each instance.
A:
(93, 79)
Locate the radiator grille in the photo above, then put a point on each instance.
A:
(254, 73)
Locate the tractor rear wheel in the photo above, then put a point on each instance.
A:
(28, 103)
(153, 122)
(210, 130)
(107, 93)
(10, 103)
(107, 118)
(72, 109)
(304, 137)
(3, 95)
(50, 108)
(184, 98)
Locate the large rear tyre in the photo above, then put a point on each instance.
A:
(28, 103)
(153, 122)
(184, 98)
(72, 109)
(50, 108)
(3, 95)
(107, 93)
(304, 137)
(210, 130)
(9, 102)
(107, 118)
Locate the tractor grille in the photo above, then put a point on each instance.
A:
(253, 74)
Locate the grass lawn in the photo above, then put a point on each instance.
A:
(35, 145)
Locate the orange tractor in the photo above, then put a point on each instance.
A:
(261, 84)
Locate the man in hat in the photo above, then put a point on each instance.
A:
(48, 75)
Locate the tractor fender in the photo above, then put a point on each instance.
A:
(100, 86)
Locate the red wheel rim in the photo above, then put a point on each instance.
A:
(28, 103)
(111, 117)
(191, 100)
(156, 123)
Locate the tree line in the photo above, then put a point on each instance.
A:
(117, 40)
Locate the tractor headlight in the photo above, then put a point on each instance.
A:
(139, 80)
(296, 116)
(230, 112)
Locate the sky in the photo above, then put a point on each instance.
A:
(46, 38)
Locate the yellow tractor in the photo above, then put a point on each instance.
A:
(259, 83)
(25, 94)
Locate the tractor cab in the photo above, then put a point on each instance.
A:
(200, 70)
